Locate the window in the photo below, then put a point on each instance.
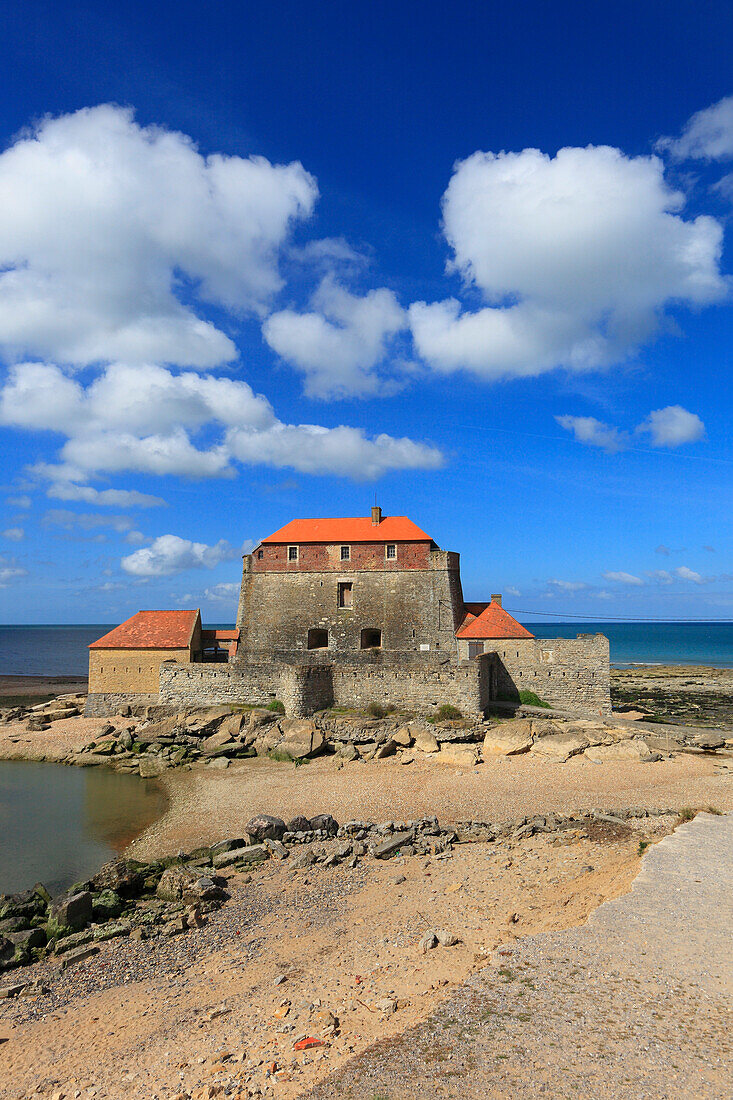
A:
(292, 553)
(345, 593)
(317, 638)
(371, 638)
(475, 649)
(260, 555)
(391, 550)
(345, 553)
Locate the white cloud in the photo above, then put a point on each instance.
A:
(170, 554)
(662, 576)
(24, 502)
(707, 135)
(10, 572)
(223, 593)
(686, 574)
(673, 426)
(161, 411)
(112, 234)
(623, 578)
(86, 521)
(14, 534)
(511, 590)
(577, 256)
(595, 433)
(340, 341)
(669, 427)
(567, 586)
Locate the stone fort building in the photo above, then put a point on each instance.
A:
(355, 611)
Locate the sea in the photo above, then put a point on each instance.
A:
(62, 650)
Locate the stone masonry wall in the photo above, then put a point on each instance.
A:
(416, 609)
(418, 686)
(129, 670)
(101, 705)
(573, 672)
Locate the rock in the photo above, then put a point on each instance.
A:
(150, 769)
(123, 876)
(175, 882)
(29, 938)
(265, 827)
(428, 942)
(446, 939)
(510, 739)
(112, 931)
(325, 823)
(72, 910)
(216, 741)
(182, 884)
(9, 991)
(464, 756)
(392, 844)
(299, 824)
(251, 854)
(346, 750)
(387, 1005)
(402, 737)
(425, 741)
(106, 905)
(220, 763)
(710, 740)
(559, 747)
(79, 955)
(76, 939)
(301, 738)
(633, 750)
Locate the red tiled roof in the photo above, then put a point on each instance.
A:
(220, 635)
(151, 630)
(493, 622)
(356, 529)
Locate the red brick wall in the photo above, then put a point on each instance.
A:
(326, 557)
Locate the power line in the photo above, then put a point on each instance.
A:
(613, 618)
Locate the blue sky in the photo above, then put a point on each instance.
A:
(265, 261)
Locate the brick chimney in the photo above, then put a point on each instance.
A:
(496, 598)
(376, 516)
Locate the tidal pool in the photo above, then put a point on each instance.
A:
(59, 824)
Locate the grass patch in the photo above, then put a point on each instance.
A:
(714, 810)
(643, 845)
(506, 974)
(686, 814)
(376, 710)
(446, 711)
(280, 756)
(276, 706)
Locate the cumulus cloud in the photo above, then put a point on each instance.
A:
(577, 257)
(113, 235)
(23, 502)
(595, 433)
(686, 574)
(162, 411)
(669, 427)
(10, 571)
(707, 135)
(673, 426)
(661, 576)
(338, 343)
(169, 554)
(14, 534)
(567, 586)
(222, 593)
(623, 578)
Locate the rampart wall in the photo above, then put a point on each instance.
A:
(572, 672)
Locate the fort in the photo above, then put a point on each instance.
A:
(347, 613)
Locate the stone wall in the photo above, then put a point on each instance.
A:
(417, 609)
(101, 705)
(419, 686)
(571, 672)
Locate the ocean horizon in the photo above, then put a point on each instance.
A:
(61, 650)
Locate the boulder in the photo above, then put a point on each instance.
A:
(425, 741)
(559, 747)
(632, 750)
(216, 741)
(191, 887)
(123, 876)
(326, 823)
(712, 740)
(299, 824)
(233, 724)
(151, 769)
(72, 910)
(392, 845)
(509, 739)
(301, 738)
(463, 756)
(251, 854)
(265, 827)
(106, 905)
(268, 739)
(402, 737)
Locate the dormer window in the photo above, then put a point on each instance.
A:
(292, 553)
(391, 551)
(345, 553)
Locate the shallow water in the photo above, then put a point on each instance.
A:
(60, 824)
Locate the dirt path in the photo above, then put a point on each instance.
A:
(636, 1003)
